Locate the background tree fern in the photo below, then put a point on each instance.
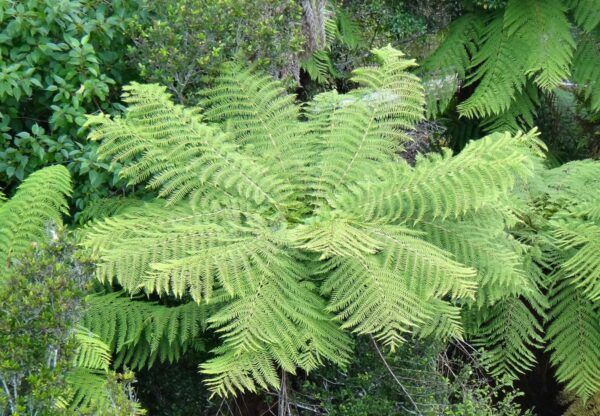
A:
(291, 225)
(505, 58)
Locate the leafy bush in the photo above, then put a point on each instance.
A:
(47, 364)
(42, 299)
(183, 42)
(60, 60)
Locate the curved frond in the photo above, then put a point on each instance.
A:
(444, 186)
(574, 339)
(139, 331)
(498, 71)
(40, 201)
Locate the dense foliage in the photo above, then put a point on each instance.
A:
(182, 43)
(504, 59)
(298, 251)
(60, 61)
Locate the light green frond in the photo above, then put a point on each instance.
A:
(107, 207)
(173, 250)
(258, 112)
(92, 352)
(443, 186)
(427, 270)
(445, 322)
(486, 246)
(170, 147)
(87, 381)
(336, 237)
(281, 322)
(574, 339)
(249, 371)
(40, 201)
(373, 299)
(368, 124)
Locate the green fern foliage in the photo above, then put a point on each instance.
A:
(586, 71)
(139, 332)
(565, 213)
(504, 59)
(40, 201)
(90, 388)
(574, 335)
(586, 13)
(499, 74)
(280, 228)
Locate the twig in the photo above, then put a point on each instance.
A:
(394, 375)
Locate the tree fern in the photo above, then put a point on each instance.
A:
(529, 45)
(291, 226)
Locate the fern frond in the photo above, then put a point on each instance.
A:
(107, 207)
(485, 245)
(453, 56)
(373, 299)
(258, 112)
(40, 201)
(369, 124)
(586, 71)
(574, 339)
(87, 381)
(445, 322)
(498, 71)
(172, 149)
(443, 186)
(320, 67)
(544, 28)
(586, 13)
(92, 352)
(581, 242)
(509, 332)
(139, 332)
(519, 116)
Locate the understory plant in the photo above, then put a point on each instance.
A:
(280, 228)
(49, 364)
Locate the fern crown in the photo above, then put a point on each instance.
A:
(288, 226)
